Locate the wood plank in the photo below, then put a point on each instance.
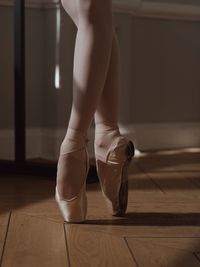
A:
(141, 230)
(151, 163)
(25, 189)
(193, 177)
(90, 248)
(171, 160)
(45, 209)
(175, 184)
(4, 220)
(140, 182)
(173, 206)
(34, 242)
(166, 252)
(188, 162)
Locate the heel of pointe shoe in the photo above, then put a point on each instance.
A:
(130, 150)
(114, 181)
(122, 202)
(74, 210)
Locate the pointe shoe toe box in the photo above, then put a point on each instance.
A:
(75, 209)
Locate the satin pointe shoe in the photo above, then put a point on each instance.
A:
(113, 174)
(74, 210)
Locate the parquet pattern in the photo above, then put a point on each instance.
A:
(161, 227)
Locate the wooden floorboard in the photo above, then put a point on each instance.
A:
(4, 222)
(169, 252)
(34, 242)
(92, 248)
(161, 226)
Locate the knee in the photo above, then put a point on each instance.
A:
(95, 12)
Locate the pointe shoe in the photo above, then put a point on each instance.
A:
(74, 210)
(113, 174)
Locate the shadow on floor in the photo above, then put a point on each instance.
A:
(152, 219)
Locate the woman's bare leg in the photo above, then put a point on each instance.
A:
(108, 106)
(91, 61)
(106, 115)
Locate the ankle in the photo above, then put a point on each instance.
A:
(103, 142)
(74, 140)
(104, 127)
(105, 134)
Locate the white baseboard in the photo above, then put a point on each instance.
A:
(45, 143)
(160, 136)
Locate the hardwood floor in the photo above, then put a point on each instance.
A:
(161, 227)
